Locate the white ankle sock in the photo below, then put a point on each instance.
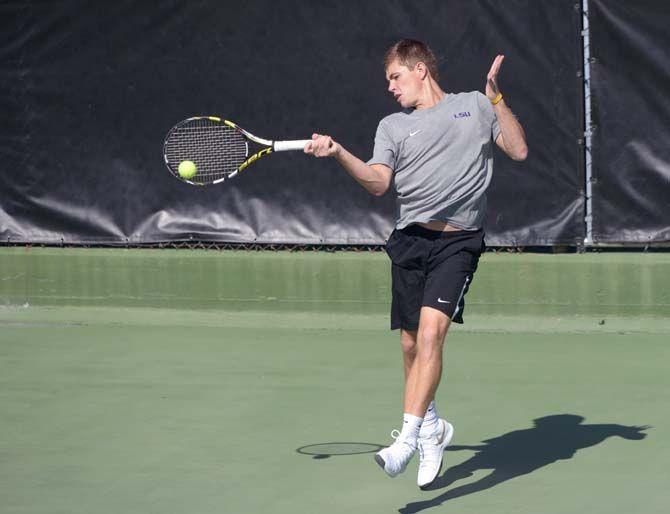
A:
(430, 421)
(410, 429)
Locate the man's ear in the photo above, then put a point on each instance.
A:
(422, 69)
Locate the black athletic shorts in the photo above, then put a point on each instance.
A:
(432, 269)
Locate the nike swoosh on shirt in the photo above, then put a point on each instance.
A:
(414, 133)
(440, 300)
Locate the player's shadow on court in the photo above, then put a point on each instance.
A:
(520, 452)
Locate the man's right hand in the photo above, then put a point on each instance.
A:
(322, 146)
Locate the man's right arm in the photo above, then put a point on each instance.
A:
(375, 178)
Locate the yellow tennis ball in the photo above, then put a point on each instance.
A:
(187, 169)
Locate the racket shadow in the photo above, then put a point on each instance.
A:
(327, 450)
(520, 452)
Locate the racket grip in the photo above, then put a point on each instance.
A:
(285, 146)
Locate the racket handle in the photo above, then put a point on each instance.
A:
(285, 146)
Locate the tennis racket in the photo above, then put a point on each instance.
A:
(218, 148)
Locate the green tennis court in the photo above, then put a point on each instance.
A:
(174, 381)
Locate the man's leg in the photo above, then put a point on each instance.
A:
(424, 377)
(423, 364)
(408, 343)
(426, 369)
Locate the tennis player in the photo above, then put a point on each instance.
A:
(438, 154)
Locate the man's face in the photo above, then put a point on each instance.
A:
(404, 84)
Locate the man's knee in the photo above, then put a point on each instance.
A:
(408, 341)
(431, 333)
(432, 328)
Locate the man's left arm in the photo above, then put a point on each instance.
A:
(512, 138)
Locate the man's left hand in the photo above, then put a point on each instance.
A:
(492, 89)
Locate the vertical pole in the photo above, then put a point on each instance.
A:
(588, 219)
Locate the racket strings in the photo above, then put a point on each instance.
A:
(217, 150)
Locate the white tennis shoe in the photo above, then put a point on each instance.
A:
(393, 460)
(431, 450)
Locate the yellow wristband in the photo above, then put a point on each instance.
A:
(497, 99)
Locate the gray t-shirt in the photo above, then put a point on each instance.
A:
(441, 159)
